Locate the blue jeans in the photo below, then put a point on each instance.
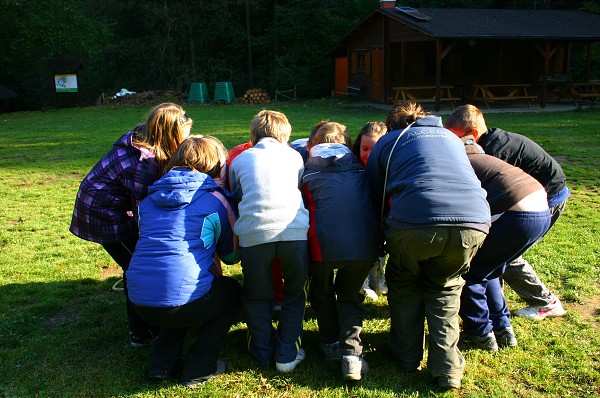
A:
(265, 344)
(510, 236)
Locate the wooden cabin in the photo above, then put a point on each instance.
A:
(445, 54)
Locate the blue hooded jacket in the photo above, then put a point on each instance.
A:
(185, 219)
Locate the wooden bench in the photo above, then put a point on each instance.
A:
(581, 92)
(352, 90)
(489, 93)
(423, 94)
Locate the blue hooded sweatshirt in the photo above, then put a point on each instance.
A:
(430, 180)
(184, 221)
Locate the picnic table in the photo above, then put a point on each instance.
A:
(581, 92)
(423, 94)
(489, 93)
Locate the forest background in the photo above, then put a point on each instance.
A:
(147, 45)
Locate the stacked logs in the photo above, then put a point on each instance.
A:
(256, 96)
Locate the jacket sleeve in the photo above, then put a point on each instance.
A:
(376, 178)
(227, 241)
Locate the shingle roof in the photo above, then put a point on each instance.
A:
(502, 24)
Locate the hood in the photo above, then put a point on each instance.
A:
(429, 121)
(332, 157)
(179, 187)
(126, 141)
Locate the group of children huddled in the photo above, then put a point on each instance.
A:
(313, 220)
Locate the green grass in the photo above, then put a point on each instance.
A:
(63, 332)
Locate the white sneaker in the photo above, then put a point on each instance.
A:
(538, 313)
(377, 277)
(290, 366)
(354, 367)
(369, 293)
(378, 284)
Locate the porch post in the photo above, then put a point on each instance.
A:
(438, 73)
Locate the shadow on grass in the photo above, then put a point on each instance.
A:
(70, 338)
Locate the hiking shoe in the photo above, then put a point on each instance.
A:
(354, 367)
(290, 366)
(538, 313)
(196, 381)
(366, 291)
(486, 342)
(447, 382)
(506, 337)
(331, 351)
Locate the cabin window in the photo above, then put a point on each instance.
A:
(361, 62)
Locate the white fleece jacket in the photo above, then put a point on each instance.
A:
(266, 179)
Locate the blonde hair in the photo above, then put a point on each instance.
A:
(403, 114)
(371, 129)
(330, 132)
(466, 118)
(163, 132)
(270, 124)
(205, 154)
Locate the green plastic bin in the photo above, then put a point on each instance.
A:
(224, 92)
(198, 94)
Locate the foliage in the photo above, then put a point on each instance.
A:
(156, 44)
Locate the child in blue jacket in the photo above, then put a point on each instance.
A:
(342, 236)
(173, 280)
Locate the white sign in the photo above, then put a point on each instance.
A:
(65, 83)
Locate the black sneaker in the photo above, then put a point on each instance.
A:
(165, 374)
(331, 351)
(138, 342)
(196, 381)
(486, 342)
(447, 382)
(506, 337)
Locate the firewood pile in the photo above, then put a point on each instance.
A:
(256, 96)
(145, 98)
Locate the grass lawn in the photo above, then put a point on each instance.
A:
(63, 331)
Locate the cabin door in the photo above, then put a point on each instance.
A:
(377, 75)
(341, 75)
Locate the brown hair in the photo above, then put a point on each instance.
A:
(163, 132)
(205, 154)
(403, 114)
(466, 118)
(371, 129)
(330, 132)
(270, 124)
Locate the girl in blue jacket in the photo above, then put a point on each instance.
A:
(173, 276)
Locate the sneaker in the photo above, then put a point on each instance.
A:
(486, 342)
(331, 351)
(354, 367)
(138, 342)
(538, 313)
(506, 337)
(195, 382)
(378, 285)
(369, 293)
(164, 374)
(447, 382)
(377, 277)
(290, 366)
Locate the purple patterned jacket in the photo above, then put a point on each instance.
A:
(105, 207)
